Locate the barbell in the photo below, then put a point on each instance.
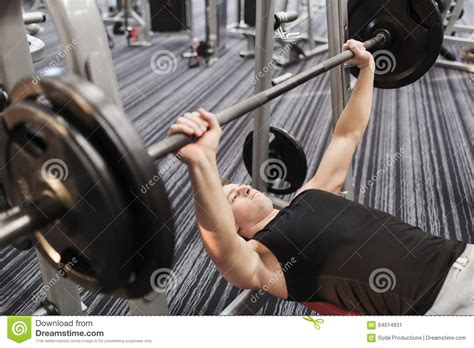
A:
(86, 190)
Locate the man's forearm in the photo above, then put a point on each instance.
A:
(355, 117)
(213, 213)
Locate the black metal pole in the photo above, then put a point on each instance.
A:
(174, 142)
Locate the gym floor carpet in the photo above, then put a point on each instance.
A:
(415, 161)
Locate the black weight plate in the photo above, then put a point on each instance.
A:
(286, 167)
(416, 37)
(42, 153)
(151, 233)
(112, 134)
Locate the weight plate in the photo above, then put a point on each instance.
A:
(42, 153)
(416, 32)
(286, 167)
(146, 244)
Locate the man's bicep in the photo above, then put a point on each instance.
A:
(334, 166)
(243, 268)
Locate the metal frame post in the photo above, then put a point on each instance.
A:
(450, 38)
(336, 12)
(16, 64)
(15, 57)
(248, 302)
(80, 28)
(152, 304)
(60, 291)
(263, 57)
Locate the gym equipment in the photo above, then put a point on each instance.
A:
(286, 167)
(170, 16)
(37, 4)
(293, 46)
(418, 24)
(49, 156)
(72, 121)
(33, 17)
(246, 16)
(132, 18)
(37, 46)
(4, 231)
(81, 31)
(213, 46)
(301, 45)
(451, 11)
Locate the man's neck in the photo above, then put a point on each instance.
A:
(262, 223)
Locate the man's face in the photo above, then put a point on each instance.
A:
(248, 205)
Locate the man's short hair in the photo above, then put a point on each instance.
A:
(224, 182)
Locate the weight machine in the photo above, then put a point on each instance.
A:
(89, 58)
(292, 45)
(92, 133)
(213, 46)
(132, 18)
(451, 11)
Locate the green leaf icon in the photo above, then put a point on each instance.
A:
(19, 328)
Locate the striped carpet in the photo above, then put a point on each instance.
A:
(415, 161)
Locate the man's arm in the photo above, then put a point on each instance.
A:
(350, 127)
(234, 258)
(232, 255)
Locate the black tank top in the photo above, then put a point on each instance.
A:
(335, 250)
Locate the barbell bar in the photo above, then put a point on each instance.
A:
(174, 142)
(31, 218)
